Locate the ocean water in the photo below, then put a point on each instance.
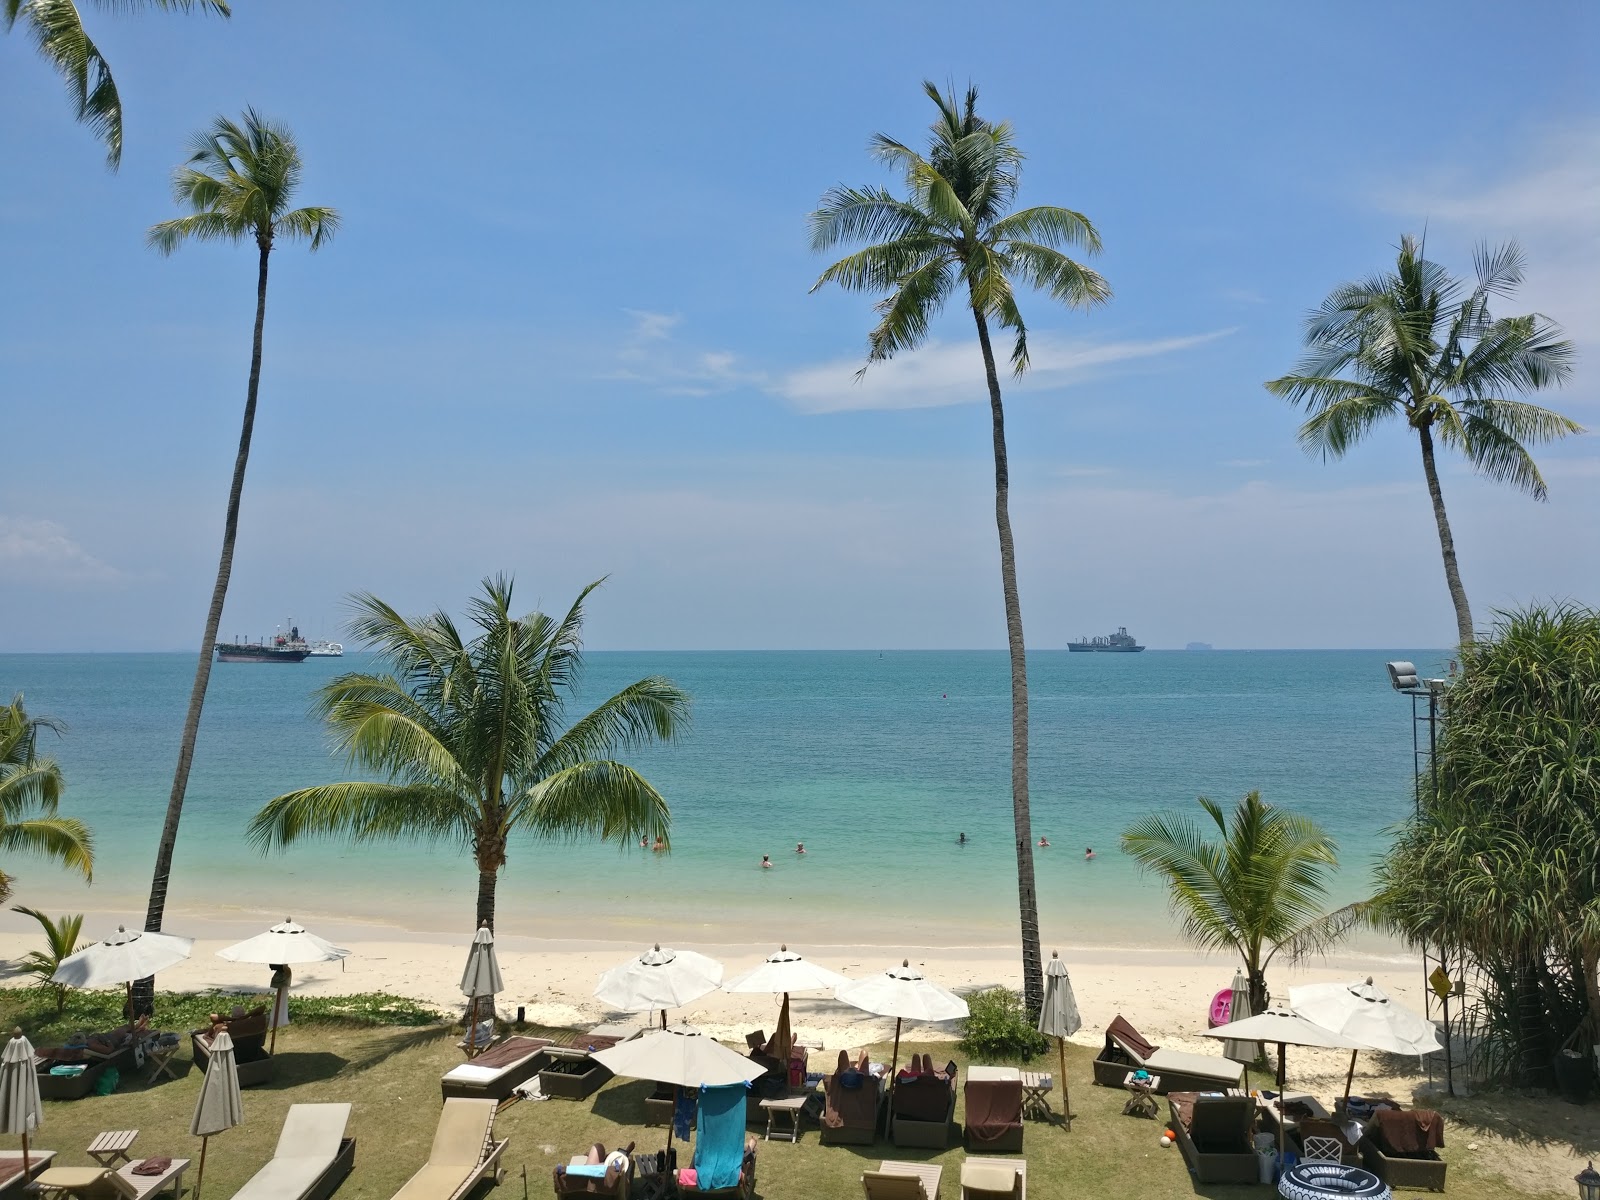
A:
(876, 762)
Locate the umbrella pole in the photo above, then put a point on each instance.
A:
(277, 1005)
(1351, 1075)
(786, 1051)
(1066, 1096)
(894, 1060)
(27, 1168)
(200, 1175)
(1282, 1054)
(663, 1018)
(677, 1093)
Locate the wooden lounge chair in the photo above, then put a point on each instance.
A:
(923, 1106)
(720, 1145)
(249, 1034)
(903, 1181)
(852, 1101)
(1125, 1049)
(497, 1072)
(994, 1110)
(115, 1049)
(1399, 1148)
(463, 1155)
(1214, 1136)
(11, 1174)
(312, 1159)
(102, 1183)
(994, 1179)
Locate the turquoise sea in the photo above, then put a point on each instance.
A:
(876, 762)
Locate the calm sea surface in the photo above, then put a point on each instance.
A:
(876, 762)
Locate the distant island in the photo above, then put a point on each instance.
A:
(1198, 647)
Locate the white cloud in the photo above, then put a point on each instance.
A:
(941, 374)
(653, 358)
(652, 326)
(1246, 463)
(1550, 203)
(38, 551)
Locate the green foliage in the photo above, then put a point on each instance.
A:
(472, 738)
(56, 28)
(61, 939)
(1256, 891)
(34, 1009)
(1503, 864)
(997, 1027)
(30, 790)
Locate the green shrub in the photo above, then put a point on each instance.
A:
(997, 1027)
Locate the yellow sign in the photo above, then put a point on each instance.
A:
(1440, 982)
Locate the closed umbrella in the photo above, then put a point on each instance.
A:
(1238, 1009)
(681, 1056)
(902, 992)
(785, 972)
(283, 946)
(1287, 1028)
(219, 1107)
(20, 1110)
(659, 979)
(1365, 1013)
(480, 978)
(1058, 1018)
(122, 958)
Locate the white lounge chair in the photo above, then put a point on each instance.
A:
(312, 1159)
(464, 1153)
(903, 1181)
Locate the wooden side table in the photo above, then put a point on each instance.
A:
(791, 1107)
(1036, 1087)
(1141, 1096)
(108, 1147)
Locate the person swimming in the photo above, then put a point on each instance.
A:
(765, 861)
(1088, 854)
(799, 847)
(661, 844)
(1044, 841)
(961, 839)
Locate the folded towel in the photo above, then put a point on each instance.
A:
(587, 1170)
(158, 1165)
(688, 1177)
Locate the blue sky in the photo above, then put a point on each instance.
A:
(566, 330)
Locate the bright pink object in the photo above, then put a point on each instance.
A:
(1221, 1008)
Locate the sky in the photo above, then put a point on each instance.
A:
(566, 330)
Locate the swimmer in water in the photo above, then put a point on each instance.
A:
(661, 844)
(961, 839)
(1044, 841)
(1088, 854)
(644, 843)
(765, 862)
(799, 847)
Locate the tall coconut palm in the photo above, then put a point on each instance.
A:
(57, 29)
(30, 791)
(240, 180)
(1421, 345)
(954, 231)
(1257, 891)
(472, 740)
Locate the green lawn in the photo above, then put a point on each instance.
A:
(391, 1076)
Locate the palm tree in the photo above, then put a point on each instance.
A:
(60, 941)
(472, 740)
(1421, 345)
(57, 29)
(30, 790)
(1257, 891)
(954, 229)
(240, 180)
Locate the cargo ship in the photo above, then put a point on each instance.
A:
(1117, 643)
(283, 648)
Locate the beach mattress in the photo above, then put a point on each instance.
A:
(283, 1179)
(1180, 1062)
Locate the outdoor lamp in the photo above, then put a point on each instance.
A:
(1588, 1181)
(1402, 675)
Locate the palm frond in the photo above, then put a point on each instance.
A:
(882, 267)
(1049, 226)
(605, 800)
(652, 710)
(315, 225)
(57, 30)
(1047, 269)
(67, 840)
(869, 214)
(905, 315)
(363, 812)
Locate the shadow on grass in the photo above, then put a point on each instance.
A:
(622, 1103)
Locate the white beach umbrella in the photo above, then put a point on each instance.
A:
(1287, 1028)
(902, 992)
(659, 979)
(1058, 1018)
(20, 1109)
(785, 972)
(286, 945)
(481, 977)
(219, 1107)
(1364, 1013)
(1238, 1009)
(122, 958)
(681, 1056)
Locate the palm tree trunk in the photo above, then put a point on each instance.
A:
(1027, 895)
(1447, 545)
(487, 877)
(208, 643)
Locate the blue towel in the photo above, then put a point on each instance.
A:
(719, 1149)
(682, 1114)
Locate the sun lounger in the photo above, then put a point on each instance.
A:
(724, 1163)
(11, 1168)
(903, 1181)
(1400, 1148)
(312, 1159)
(571, 1072)
(102, 1183)
(922, 1107)
(597, 1174)
(249, 1034)
(463, 1155)
(86, 1061)
(1179, 1070)
(497, 1072)
(994, 1110)
(852, 1101)
(994, 1179)
(1214, 1136)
